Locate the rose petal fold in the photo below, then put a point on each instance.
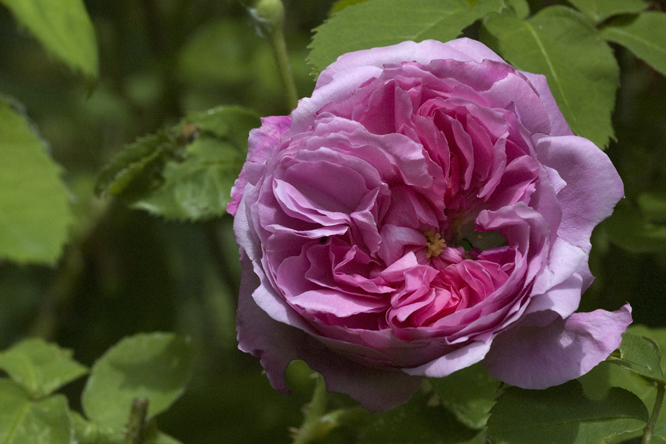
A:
(534, 357)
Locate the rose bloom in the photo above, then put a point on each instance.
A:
(426, 209)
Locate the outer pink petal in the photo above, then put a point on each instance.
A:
(558, 125)
(353, 69)
(452, 362)
(535, 357)
(262, 143)
(274, 343)
(593, 186)
(462, 50)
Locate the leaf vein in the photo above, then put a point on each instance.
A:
(551, 67)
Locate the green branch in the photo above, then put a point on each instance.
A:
(649, 427)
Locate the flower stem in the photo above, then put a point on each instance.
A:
(311, 429)
(270, 17)
(652, 422)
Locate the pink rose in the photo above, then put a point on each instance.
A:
(426, 209)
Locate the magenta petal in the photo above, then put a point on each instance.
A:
(540, 357)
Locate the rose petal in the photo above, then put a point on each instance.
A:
(277, 344)
(593, 185)
(261, 145)
(540, 357)
(451, 362)
(558, 125)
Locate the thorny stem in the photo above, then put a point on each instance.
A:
(649, 427)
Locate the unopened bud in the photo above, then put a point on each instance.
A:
(269, 14)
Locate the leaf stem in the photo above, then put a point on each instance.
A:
(270, 17)
(652, 422)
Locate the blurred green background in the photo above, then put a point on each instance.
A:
(124, 271)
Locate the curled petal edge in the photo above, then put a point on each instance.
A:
(534, 357)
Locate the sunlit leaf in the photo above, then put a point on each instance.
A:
(39, 367)
(644, 35)
(468, 393)
(34, 209)
(24, 421)
(580, 67)
(155, 366)
(63, 27)
(377, 23)
(563, 415)
(600, 10)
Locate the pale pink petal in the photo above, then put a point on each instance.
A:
(558, 125)
(540, 357)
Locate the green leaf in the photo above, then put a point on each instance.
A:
(86, 432)
(342, 4)
(137, 169)
(600, 10)
(521, 8)
(629, 229)
(644, 35)
(36, 422)
(640, 355)
(605, 375)
(416, 422)
(468, 393)
(580, 67)
(185, 171)
(659, 436)
(63, 27)
(162, 438)
(155, 366)
(39, 367)
(564, 415)
(377, 23)
(199, 186)
(34, 209)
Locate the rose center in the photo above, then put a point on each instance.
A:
(435, 244)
